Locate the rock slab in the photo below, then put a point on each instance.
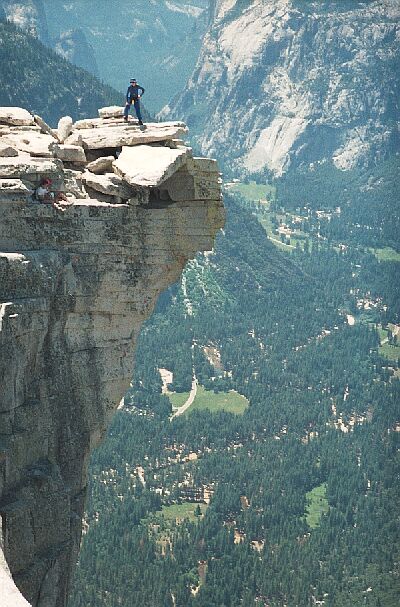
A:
(118, 135)
(144, 165)
(109, 184)
(113, 111)
(16, 116)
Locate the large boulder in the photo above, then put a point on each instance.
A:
(64, 128)
(32, 169)
(145, 165)
(199, 179)
(16, 116)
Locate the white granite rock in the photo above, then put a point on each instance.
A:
(75, 288)
(7, 150)
(125, 134)
(10, 595)
(15, 116)
(14, 188)
(64, 128)
(24, 166)
(8, 129)
(69, 153)
(113, 111)
(145, 165)
(101, 165)
(94, 123)
(109, 184)
(32, 142)
(44, 127)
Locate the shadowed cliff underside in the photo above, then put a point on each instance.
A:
(76, 283)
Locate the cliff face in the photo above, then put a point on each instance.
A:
(288, 82)
(76, 282)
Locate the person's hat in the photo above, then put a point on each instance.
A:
(133, 80)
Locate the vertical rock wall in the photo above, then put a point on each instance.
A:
(76, 283)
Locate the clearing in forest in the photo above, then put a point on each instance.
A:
(231, 401)
(317, 505)
(253, 191)
(180, 512)
(390, 352)
(178, 399)
(386, 254)
(160, 524)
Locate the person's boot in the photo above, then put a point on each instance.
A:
(125, 118)
(140, 122)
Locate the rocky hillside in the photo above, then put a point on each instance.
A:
(77, 279)
(156, 42)
(288, 82)
(38, 78)
(30, 15)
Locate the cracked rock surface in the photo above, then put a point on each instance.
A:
(76, 284)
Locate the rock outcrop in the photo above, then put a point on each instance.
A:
(76, 283)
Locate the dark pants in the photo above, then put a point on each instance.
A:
(136, 104)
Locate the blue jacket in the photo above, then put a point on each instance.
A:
(133, 92)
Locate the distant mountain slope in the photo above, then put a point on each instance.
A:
(73, 45)
(288, 82)
(35, 77)
(30, 15)
(156, 42)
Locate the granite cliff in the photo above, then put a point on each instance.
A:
(286, 83)
(76, 283)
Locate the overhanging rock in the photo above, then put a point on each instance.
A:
(76, 284)
(149, 166)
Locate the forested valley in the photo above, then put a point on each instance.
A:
(294, 499)
(279, 486)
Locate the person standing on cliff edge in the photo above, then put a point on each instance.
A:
(133, 95)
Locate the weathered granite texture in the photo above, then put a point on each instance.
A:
(75, 286)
